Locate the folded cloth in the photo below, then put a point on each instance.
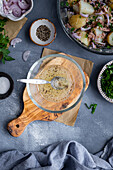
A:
(65, 155)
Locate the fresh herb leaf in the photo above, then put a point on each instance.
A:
(98, 4)
(1, 29)
(3, 60)
(90, 21)
(108, 46)
(72, 29)
(8, 58)
(94, 17)
(86, 35)
(4, 41)
(111, 27)
(99, 24)
(92, 106)
(67, 4)
(62, 4)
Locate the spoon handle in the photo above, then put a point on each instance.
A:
(33, 81)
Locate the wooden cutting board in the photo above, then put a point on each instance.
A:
(31, 112)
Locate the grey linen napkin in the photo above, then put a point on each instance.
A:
(65, 155)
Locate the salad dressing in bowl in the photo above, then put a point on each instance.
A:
(45, 96)
(47, 91)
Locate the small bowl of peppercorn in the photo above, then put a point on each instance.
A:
(42, 32)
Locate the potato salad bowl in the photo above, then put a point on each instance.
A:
(90, 24)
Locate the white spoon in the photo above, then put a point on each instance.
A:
(57, 82)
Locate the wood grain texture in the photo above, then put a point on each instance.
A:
(30, 113)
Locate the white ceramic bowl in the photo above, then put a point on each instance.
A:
(99, 83)
(11, 16)
(34, 27)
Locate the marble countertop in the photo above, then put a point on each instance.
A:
(90, 130)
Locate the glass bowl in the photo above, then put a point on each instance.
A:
(62, 15)
(44, 96)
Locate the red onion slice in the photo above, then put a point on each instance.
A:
(14, 1)
(85, 29)
(108, 21)
(75, 35)
(84, 15)
(26, 55)
(15, 41)
(98, 18)
(101, 43)
(100, 13)
(94, 46)
(5, 3)
(16, 10)
(23, 4)
(6, 7)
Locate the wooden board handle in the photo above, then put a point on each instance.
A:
(17, 126)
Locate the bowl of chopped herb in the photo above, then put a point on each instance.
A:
(105, 82)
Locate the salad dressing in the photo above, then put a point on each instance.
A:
(47, 91)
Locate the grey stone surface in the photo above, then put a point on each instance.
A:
(90, 130)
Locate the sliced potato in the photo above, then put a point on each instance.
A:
(86, 8)
(110, 38)
(98, 34)
(71, 2)
(84, 39)
(76, 8)
(77, 21)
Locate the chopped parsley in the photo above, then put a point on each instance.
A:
(72, 29)
(108, 46)
(90, 21)
(98, 4)
(92, 106)
(62, 4)
(107, 81)
(111, 27)
(67, 4)
(94, 17)
(99, 24)
(86, 35)
(110, 9)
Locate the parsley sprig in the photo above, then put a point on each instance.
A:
(4, 41)
(92, 106)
